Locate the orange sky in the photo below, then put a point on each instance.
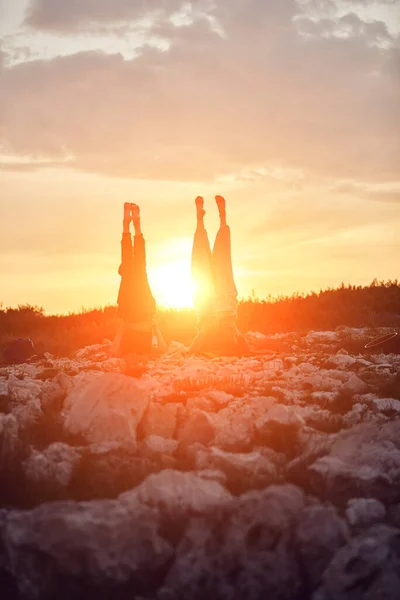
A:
(287, 110)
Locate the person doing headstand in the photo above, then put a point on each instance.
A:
(136, 305)
(215, 293)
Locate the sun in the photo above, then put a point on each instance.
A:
(171, 284)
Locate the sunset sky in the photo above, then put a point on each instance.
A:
(289, 108)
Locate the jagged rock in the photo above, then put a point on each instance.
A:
(278, 428)
(244, 471)
(12, 489)
(356, 415)
(81, 549)
(23, 390)
(94, 351)
(364, 512)
(160, 420)
(219, 398)
(198, 428)
(363, 462)
(179, 495)
(235, 425)
(319, 534)
(105, 408)
(105, 471)
(367, 569)
(24, 402)
(3, 388)
(355, 384)
(9, 439)
(388, 406)
(49, 472)
(159, 446)
(394, 514)
(324, 420)
(244, 554)
(52, 395)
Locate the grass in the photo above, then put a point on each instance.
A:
(376, 305)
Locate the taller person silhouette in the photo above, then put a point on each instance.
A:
(215, 292)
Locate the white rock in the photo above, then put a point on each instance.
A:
(105, 408)
(9, 442)
(3, 387)
(356, 385)
(386, 405)
(178, 494)
(53, 466)
(364, 512)
(23, 390)
(155, 444)
(160, 419)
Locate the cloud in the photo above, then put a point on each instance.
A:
(252, 93)
(58, 15)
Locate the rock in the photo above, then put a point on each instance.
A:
(312, 445)
(245, 553)
(9, 440)
(94, 351)
(219, 398)
(364, 512)
(3, 388)
(278, 428)
(160, 420)
(388, 406)
(363, 462)
(179, 495)
(24, 402)
(105, 471)
(198, 428)
(159, 446)
(324, 420)
(319, 534)
(12, 488)
(367, 569)
(95, 549)
(394, 514)
(49, 472)
(28, 414)
(52, 395)
(235, 425)
(356, 415)
(244, 471)
(106, 408)
(21, 391)
(355, 385)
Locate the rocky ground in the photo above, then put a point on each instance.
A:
(191, 478)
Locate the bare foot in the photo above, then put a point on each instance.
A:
(200, 207)
(221, 208)
(135, 212)
(127, 212)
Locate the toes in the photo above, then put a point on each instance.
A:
(135, 211)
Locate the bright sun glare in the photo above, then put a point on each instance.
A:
(171, 284)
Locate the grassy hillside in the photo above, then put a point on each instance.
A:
(376, 305)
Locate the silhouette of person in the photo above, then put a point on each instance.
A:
(215, 293)
(136, 305)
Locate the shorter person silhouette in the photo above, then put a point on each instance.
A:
(136, 305)
(215, 293)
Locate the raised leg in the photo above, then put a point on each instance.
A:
(224, 281)
(202, 275)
